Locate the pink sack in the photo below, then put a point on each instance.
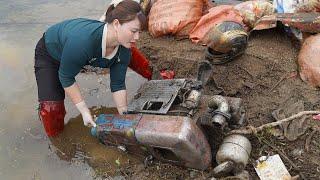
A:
(309, 61)
(215, 16)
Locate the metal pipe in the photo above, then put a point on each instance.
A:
(221, 109)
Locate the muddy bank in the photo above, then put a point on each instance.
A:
(265, 77)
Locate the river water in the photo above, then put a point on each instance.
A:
(25, 151)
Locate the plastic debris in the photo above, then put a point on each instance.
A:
(295, 128)
(316, 117)
(271, 168)
(167, 74)
(252, 11)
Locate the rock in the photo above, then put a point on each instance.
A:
(193, 174)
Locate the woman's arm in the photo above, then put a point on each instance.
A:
(73, 58)
(120, 99)
(73, 92)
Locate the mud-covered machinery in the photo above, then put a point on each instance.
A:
(174, 139)
(165, 121)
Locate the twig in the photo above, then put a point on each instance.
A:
(273, 65)
(254, 130)
(282, 78)
(286, 76)
(259, 57)
(308, 140)
(64, 154)
(246, 71)
(283, 155)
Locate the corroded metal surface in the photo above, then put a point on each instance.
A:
(235, 148)
(306, 22)
(156, 96)
(115, 129)
(174, 139)
(180, 136)
(236, 109)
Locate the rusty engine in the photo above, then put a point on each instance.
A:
(171, 121)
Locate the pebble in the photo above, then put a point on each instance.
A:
(193, 174)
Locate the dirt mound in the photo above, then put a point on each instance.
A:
(265, 77)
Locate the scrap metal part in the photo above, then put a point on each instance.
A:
(156, 96)
(236, 149)
(227, 41)
(305, 22)
(173, 139)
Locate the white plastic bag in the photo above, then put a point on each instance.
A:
(284, 6)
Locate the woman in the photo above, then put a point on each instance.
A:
(68, 46)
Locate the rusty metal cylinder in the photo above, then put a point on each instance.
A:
(193, 99)
(235, 148)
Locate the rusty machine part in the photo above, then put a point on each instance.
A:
(237, 111)
(305, 22)
(173, 139)
(159, 126)
(204, 71)
(170, 97)
(192, 101)
(227, 41)
(222, 111)
(233, 155)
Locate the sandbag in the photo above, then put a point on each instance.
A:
(309, 61)
(252, 11)
(215, 16)
(174, 17)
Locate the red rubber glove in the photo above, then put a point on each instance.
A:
(139, 63)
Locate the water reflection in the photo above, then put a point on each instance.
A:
(25, 151)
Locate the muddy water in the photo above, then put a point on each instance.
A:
(25, 151)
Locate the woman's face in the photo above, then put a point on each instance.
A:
(128, 32)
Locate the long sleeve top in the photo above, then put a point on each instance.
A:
(79, 42)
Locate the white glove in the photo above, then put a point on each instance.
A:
(86, 115)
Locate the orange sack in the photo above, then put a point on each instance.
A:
(176, 17)
(215, 16)
(309, 61)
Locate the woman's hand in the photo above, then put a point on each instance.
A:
(86, 115)
(73, 92)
